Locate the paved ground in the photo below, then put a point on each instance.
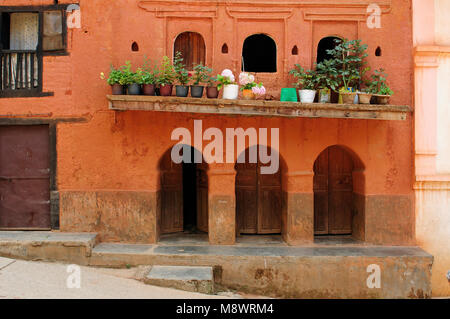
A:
(24, 279)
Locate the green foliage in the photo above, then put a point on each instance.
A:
(128, 76)
(114, 77)
(182, 74)
(307, 80)
(202, 74)
(166, 75)
(349, 60)
(148, 73)
(327, 75)
(377, 84)
(223, 80)
(211, 80)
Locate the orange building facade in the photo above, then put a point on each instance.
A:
(107, 172)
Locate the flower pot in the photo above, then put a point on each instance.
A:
(382, 99)
(117, 89)
(197, 91)
(134, 89)
(212, 92)
(307, 96)
(231, 91)
(324, 95)
(182, 90)
(288, 95)
(364, 98)
(348, 97)
(148, 89)
(248, 95)
(166, 90)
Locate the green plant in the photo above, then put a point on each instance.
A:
(181, 73)
(148, 73)
(377, 84)
(166, 75)
(307, 80)
(327, 75)
(226, 78)
(201, 74)
(349, 60)
(128, 76)
(115, 76)
(211, 80)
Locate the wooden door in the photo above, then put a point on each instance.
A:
(192, 47)
(202, 199)
(24, 177)
(171, 196)
(258, 200)
(333, 192)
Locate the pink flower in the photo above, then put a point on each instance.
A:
(259, 90)
(245, 78)
(228, 74)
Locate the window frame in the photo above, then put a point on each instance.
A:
(40, 53)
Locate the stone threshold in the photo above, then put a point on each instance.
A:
(257, 108)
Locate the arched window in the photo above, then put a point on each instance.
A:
(259, 54)
(192, 47)
(328, 43)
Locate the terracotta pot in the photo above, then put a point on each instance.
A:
(307, 96)
(197, 91)
(182, 90)
(148, 89)
(364, 98)
(117, 89)
(382, 99)
(166, 90)
(348, 97)
(212, 92)
(134, 89)
(248, 95)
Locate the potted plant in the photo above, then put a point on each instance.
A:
(115, 80)
(166, 77)
(182, 75)
(227, 81)
(149, 77)
(211, 89)
(201, 76)
(379, 88)
(131, 79)
(349, 59)
(327, 80)
(307, 81)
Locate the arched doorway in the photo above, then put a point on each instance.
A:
(333, 192)
(258, 198)
(328, 43)
(192, 48)
(259, 54)
(184, 195)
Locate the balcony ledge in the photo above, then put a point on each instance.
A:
(257, 108)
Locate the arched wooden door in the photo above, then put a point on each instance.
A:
(192, 48)
(258, 200)
(173, 196)
(333, 192)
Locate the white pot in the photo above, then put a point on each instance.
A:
(231, 91)
(307, 96)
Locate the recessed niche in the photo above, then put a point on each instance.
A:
(135, 47)
(225, 48)
(378, 52)
(295, 50)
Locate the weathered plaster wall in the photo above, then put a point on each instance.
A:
(432, 40)
(119, 151)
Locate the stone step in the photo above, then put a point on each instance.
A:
(48, 245)
(189, 278)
